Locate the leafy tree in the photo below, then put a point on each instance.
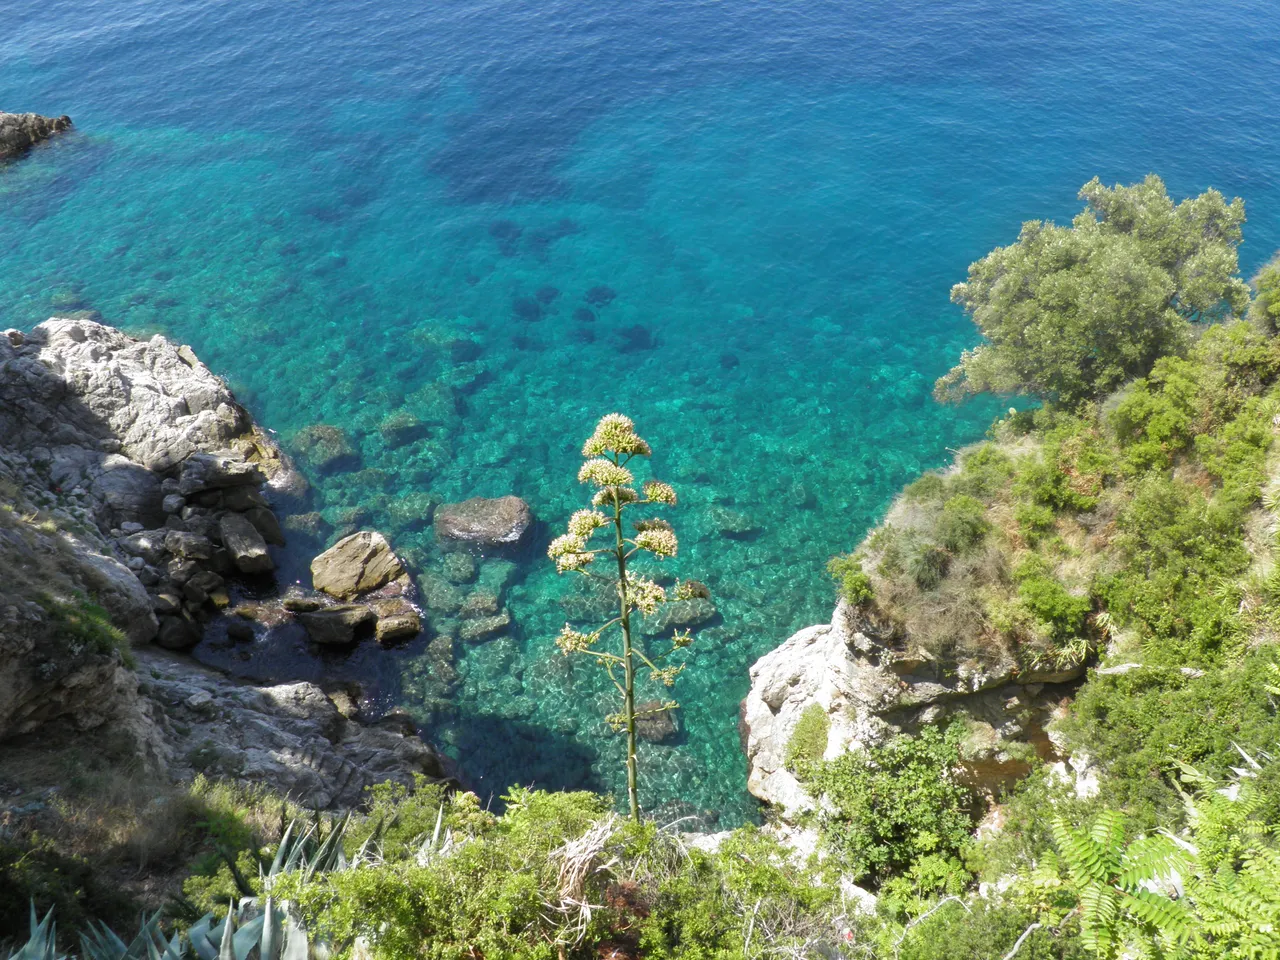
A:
(1265, 311)
(1070, 313)
(607, 452)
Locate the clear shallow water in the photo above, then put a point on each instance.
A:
(350, 209)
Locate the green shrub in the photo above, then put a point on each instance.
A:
(962, 523)
(1061, 613)
(1034, 521)
(809, 738)
(984, 472)
(1137, 723)
(885, 807)
(928, 564)
(985, 930)
(1265, 309)
(84, 622)
(928, 487)
(852, 584)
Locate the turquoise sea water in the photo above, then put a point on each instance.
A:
(357, 209)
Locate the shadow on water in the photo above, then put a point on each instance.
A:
(496, 752)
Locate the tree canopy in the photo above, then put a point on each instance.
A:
(1071, 313)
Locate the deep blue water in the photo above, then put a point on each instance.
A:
(349, 208)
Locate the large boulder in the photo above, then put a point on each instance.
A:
(484, 522)
(356, 565)
(19, 132)
(245, 544)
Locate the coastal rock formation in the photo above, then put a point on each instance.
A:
(484, 522)
(131, 486)
(291, 737)
(867, 690)
(19, 132)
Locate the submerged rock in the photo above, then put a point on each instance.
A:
(19, 132)
(337, 625)
(653, 723)
(678, 614)
(326, 447)
(484, 522)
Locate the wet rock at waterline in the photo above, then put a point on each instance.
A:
(19, 132)
(247, 547)
(337, 625)
(356, 565)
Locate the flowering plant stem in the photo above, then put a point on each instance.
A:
(628, 667)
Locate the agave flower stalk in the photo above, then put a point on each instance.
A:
(607, 454)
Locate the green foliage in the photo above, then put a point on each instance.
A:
(1060, 613)
(749, 899)
(1215, 893)
(1265, 310)
(962, 523)
(852, 583)
(928, 564)
(983, 930)
(85, 623)
(984, 472)
(36, 872)
(883, 808)
(1135, 723)
(809, 738)
(42, 941)
(1071, 313)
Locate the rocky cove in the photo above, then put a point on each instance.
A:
(143, 503)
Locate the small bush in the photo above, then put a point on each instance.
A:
(962, 523)
(927, 488)
(928, 564)
(884, 808)
(852, 584)
(809, 738)
(1061, 613)
(84, 622)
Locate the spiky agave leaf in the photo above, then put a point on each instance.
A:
(42, 944)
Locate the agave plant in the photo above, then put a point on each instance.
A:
(99, 943)
(43, 942)
(275, 933)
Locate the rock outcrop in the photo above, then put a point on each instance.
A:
(867, 690)
(134, 490)
(291, 737)
(483, 522)
(124, 465)
(19, 132)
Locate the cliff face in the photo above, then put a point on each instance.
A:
(867, 690)
(133, 490)
(19, 132)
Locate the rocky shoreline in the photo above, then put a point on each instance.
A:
(138, 504)
(19, 132)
